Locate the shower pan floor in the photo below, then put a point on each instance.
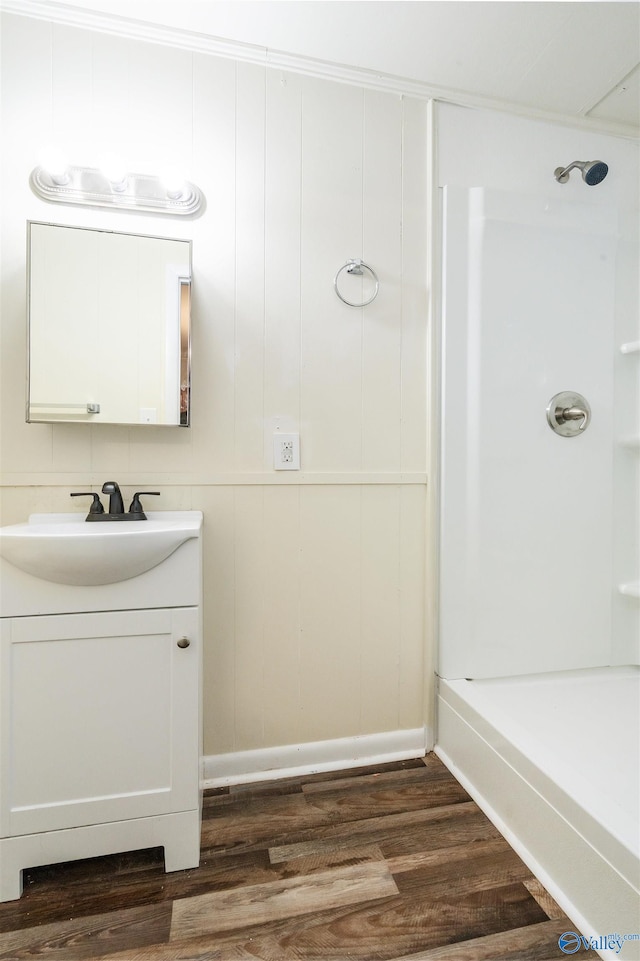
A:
(553, 760)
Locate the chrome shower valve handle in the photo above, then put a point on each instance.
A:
(568, 413)
(576, 413)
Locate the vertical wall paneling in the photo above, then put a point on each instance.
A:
(282, 611)
(432, 419)
(382, 249)
(112, 110)
(414, 292)
(330, 599)
(331, 352)
(161, 137)
(313, 581)
(219, 577)
(380, 605)
(250, 560)
(214, 265)
(249, 268)
(72, 89)
(415, 681)
(26, 118)
(283, 171)
(27, 108)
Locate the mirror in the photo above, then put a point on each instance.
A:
(109, 327)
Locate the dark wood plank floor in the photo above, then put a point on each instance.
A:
(389, 863)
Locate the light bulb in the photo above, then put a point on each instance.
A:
(174, 184)
(115, 172)
(55, 163)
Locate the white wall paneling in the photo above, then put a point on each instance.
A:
(314, 602)
(314, 584)
(283, 255)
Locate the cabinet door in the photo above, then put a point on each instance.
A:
(99, 719)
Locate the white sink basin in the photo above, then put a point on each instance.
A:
(66, 549)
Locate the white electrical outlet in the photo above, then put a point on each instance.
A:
(286, 451)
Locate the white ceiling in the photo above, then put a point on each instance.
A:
(573, 60)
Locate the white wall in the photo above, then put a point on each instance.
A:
(541, 289)
(314, 582)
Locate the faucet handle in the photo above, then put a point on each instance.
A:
(135, 506)
(576, 413)
(96, 504)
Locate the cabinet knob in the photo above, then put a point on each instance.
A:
(184, 642)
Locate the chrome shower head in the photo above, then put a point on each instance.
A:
(593, 171)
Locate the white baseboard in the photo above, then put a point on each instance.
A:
(293, 760)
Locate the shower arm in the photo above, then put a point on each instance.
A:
(562, 173)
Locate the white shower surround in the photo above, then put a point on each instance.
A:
(538, 536)
(529, 308)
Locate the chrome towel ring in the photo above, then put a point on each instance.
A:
(355, 267)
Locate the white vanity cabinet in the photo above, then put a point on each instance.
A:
(100, 720)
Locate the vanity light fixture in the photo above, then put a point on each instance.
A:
(114, 188)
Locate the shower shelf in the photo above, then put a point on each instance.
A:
(633, 347)
(631, 589)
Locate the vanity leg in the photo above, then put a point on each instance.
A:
(181, 841)
(11, 871)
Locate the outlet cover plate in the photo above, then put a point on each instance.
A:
(286, 451)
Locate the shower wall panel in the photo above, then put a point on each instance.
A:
(526, 528)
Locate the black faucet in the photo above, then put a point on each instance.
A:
(116, 505)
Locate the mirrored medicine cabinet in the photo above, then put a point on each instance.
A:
(109, 327)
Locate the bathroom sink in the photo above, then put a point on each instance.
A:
(65, 549)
